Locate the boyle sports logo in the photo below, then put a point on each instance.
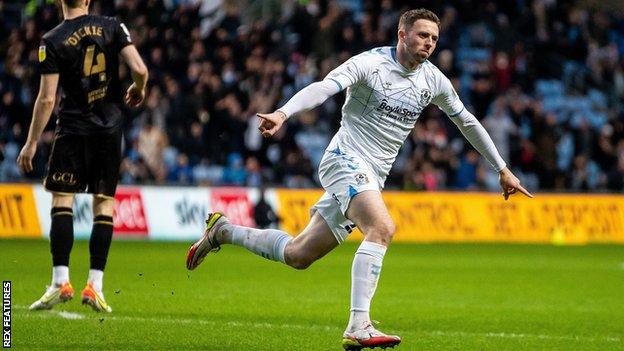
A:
(399, 113)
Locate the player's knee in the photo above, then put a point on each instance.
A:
(62, 200)
(382, 233)
(388, 231)
(103, 205)
(391, 230)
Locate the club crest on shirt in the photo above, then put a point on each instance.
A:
(425, 97)
(42, 53)
(361, 179)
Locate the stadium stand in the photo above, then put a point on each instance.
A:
(545, 77)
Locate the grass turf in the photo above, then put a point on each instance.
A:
(437, 297)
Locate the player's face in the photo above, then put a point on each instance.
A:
(420, 40)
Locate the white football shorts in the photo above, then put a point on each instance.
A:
(343, 175)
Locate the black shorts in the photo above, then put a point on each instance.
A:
(84, 162)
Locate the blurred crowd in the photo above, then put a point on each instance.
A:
(545, 78)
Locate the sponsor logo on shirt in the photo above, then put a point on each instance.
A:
(399, 113)
(384, 106)
(42, 53)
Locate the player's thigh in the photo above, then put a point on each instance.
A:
(345, 176)
(314, 242)
(66, 172)
(103, 161)
(369, 212)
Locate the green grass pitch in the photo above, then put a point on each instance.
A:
(437, 297)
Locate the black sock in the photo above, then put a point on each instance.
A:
(101, 237)
(61, 235)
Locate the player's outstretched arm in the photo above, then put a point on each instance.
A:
(306, 99)
(136, 92)
(41, 115)
(474, 132)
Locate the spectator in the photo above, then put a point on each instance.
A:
(181, 172)
(235, 172)
(616, 176)
(264, 215)
(151, 144)
(500, 126)
(214, 64)
(466, 177)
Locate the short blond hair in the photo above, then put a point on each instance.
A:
(409, 17)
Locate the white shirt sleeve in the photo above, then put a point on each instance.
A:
(310, 97)
(478, 138)
(350, 72)
(448, 101)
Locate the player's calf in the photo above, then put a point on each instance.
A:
(268, 243)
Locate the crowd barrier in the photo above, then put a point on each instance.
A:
(178, 213)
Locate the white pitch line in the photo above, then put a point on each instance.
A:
(523, 336)
(328, 328)
(71, 315)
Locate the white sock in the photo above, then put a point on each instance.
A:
(60, 275)
(95, 278)
(268, 243)
(364, 277)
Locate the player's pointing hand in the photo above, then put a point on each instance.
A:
(270, 123)
(510, 184)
